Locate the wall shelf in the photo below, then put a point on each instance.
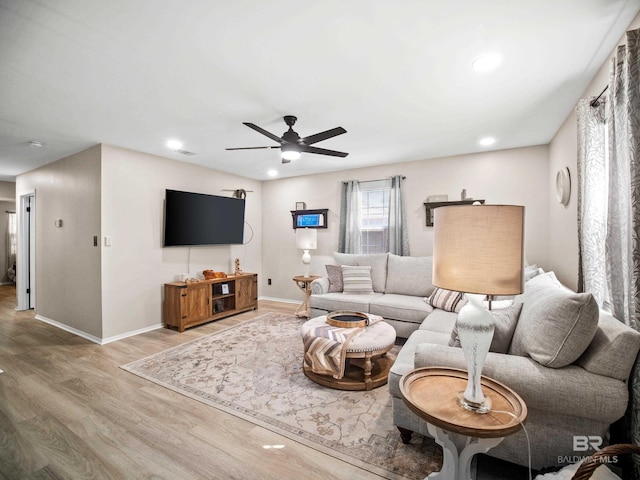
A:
(431, 206)
(309, 218)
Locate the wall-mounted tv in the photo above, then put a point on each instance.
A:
(200, 219)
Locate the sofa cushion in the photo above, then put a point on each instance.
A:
(400, 307)
(331, 302)
(377, 262)
(505, 321)
(356, 280)
(613, 349)
(334, 273)
(556, 325)
(440, 321)
(447, 300)
(409, 275)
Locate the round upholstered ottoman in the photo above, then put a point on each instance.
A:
(366, 364)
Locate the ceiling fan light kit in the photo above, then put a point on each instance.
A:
(292, 145)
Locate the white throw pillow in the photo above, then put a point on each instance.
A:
(356, 279)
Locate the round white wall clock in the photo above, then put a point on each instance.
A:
(563, 186)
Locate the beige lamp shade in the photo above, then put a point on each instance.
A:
(306, 238)
(479, 248)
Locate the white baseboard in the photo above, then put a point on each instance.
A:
(283, 300)
(69, 329)
(91, 338)
(132, 334)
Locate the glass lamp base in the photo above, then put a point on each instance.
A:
(483, 407)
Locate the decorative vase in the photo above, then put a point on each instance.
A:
(475, 329)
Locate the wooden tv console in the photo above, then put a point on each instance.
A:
(187, 304)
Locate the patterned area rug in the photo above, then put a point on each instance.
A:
(254, 371)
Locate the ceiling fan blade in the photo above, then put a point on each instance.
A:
(322, 151)
(334, 132)
(263, 131)
(249, 148)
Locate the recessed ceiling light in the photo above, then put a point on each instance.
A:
(487, 62)
(174, 145)
(272, 173)
(487, 141)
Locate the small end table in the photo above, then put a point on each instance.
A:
(304, 284)
(431, 393)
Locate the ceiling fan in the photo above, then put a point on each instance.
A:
(292, 145)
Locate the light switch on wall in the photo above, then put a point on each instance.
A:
(107, 241)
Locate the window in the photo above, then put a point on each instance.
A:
(374, 219)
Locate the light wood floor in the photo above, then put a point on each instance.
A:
(67, 411)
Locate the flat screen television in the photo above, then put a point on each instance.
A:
(201, 219)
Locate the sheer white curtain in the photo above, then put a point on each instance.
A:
(593, 194)
(11, 246)
(609, 175)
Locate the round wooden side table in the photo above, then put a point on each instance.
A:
(304, 284)
(431, 393)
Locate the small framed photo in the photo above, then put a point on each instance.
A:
(301, 205)
(225, 288)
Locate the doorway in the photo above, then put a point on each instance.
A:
(26, 262)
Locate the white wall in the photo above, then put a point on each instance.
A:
(68, 288)
(563, 152)
(517, 176)
(7, 191)
(136, 266)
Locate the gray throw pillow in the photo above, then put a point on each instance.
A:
(505, 321)
(556, 325)
(409, 275)
(334, 273)
(377, 262)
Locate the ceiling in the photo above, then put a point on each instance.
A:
(395, 74)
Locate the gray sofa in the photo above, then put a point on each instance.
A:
(568, 360)
(399, 288)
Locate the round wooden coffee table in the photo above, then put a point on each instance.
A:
(431, 393)
(367, 365)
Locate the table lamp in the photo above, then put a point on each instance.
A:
(478, 250)
(306, 239)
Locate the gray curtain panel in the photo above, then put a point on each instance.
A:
(398, 235)
(350, 236)
(613, 178)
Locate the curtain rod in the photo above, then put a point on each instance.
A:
(9, 211)
(379, 180)
(594, 103)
